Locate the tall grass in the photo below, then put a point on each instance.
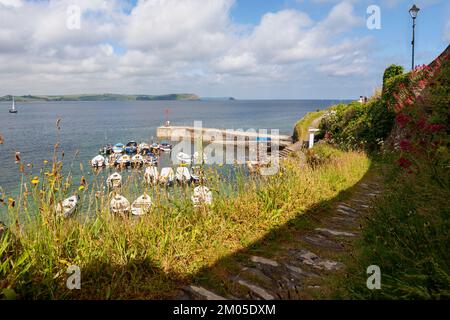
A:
(407, 236)
(150, 256)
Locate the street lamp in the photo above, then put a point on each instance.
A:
(413, 12)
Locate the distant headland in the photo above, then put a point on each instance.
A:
(102, 97)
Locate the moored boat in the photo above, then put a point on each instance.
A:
(183, 175)
(107, 149)
(13, 107)
(114, 181)
(118, 148)
(137, 160)
(131, 147)
(143, 148)
(67, 207)
(202, 195)
(167, 175)
(151, 175)
(184, 158)
(123, 160)
(165, 146)
(99, 161)
(119, 205)
(141, 205)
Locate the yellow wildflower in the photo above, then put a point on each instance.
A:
(35, 180)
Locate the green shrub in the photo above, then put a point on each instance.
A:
(392, 71)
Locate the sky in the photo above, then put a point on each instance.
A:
(247, 49)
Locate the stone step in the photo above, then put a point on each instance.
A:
(321, 241)
(265, 261)
(254, 288)
(311, 259)
(202, 293)
(335, 232)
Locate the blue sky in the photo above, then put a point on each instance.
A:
(267, 49)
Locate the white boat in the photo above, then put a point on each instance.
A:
(119, 148)
(67, 207)
(141, 205)
(202, 195)
(166, 147)
(166, 175)
(99, 161)
(182, 175)
(151, 174)
(124, 160)
(199, 158)
(13, 107)
(119, 205)
(137, 160)
(114, 181)
(143, 147)
(184, 158)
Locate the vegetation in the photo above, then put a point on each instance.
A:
(149, 257)
(302, 126)
(406, 234)
(102, 97)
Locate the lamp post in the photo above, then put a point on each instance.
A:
(413, 12)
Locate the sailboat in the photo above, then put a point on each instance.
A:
(13, 107)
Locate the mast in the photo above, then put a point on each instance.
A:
(13, 105)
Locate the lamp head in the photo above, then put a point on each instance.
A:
(414, 11)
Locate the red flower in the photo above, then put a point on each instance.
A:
(404, 163)
(402, 119)
(405, 145)
(435, 127)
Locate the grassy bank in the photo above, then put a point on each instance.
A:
(151, 256)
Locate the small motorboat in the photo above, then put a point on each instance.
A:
(141, 205)
(143, 148)
(99, 161)
(202, 195)
(118, 148)
(199, 158)
(13, 107)
(131, 147)
(114, 181)
(166, 176)
(112, 158)
(67, 207)
(184, 158)
(107, 149)
(123, 161)
(137, 160)
(150, 159)
(119, 205)
(151, 175)
(165, 146)
(182, 175)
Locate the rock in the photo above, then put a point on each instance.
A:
(264, 261)
(258, 274)
(346, 208)
(311, 259)
(335, 233)
(256, 289)
(300, 271)
(203, 293)
(321, 241)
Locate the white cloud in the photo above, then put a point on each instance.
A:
(167, 44)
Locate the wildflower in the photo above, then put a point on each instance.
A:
(35, 180)
(12, 202)
(405, 145)
(45, 162)
(435, 127)
(402, 119)
(404, 163)
(81, 188)
(83, 181)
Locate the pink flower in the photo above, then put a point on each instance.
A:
(404, 163)
(402, 119)
(405, 145)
